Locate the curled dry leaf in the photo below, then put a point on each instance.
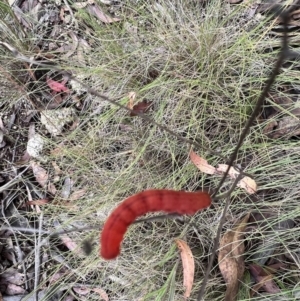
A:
(246, 183)
(231, 261)
(188, 266)
(202, 164)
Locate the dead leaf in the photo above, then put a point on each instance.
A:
(267, 283)
(56, 276)
(141, 107)
(101, 293)
(188, 266)
(131, 96)
(286, 126)
(96, 11)
(263, 280)
(233, 173)
(51, 188)
(40, 174)
(37, 202)
(248, 184)
(13, 290)
(201, 163)
(71, 245)
(76, 195)
(231, 261)
(57, 169)
(12, 275)
(56, 86)
(82, 290)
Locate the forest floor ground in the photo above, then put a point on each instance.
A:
(68, 157)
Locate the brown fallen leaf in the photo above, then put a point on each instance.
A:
(188, 266)
(246, 182)
(201, 163)
(233, 173)
(263, 280)
(13, 289)
(231, 261)
(40, 174)
(37, 202)
(57, 276)
(141, 107)
(11, 275)
(286, 126)
(81, 290)
(101, 293)
(131, 96)
(71, 245)
(51, 188)
(55, 86)
(76, 195)
(96, 11)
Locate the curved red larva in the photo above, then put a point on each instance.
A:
(172, 201)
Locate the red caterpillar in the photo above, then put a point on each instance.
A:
(181, 202)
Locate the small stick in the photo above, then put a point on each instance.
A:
(38, 258)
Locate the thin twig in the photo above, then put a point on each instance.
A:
(38, 258)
